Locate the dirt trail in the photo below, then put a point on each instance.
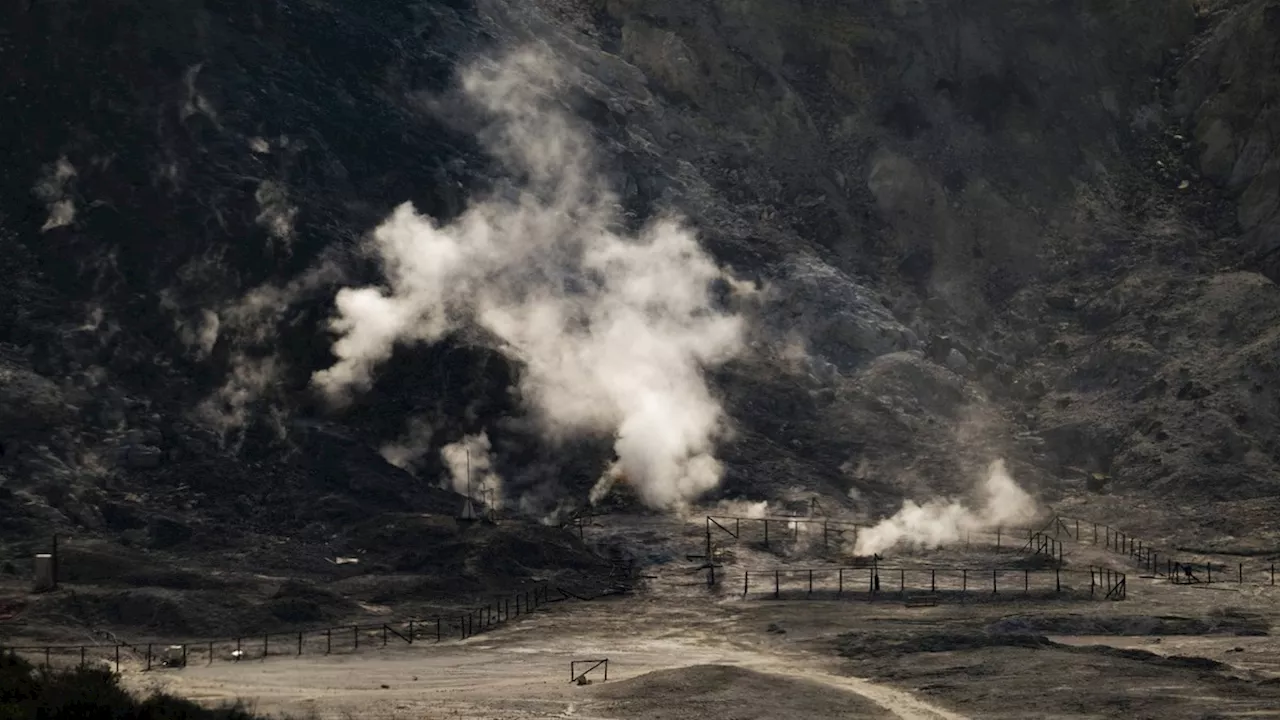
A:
(517, 672)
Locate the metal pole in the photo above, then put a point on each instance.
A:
(1241, 576)
(82, 656)
(355, 637)
(902, 582)
(46, 656)
(118, 658)
(766, 532)
(746, 580)
(328, 641)
(437, 629)
(210, 652)
(933, 581)
(266, 644)
(1026, 581)
(810, 582)
(775, 585)
(840, 582)
(993, 582)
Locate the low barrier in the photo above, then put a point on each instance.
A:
(324, 641)
(945, 583)
(1161, 563)
(828, 534)
(581, 677)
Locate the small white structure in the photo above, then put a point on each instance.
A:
(44, 580)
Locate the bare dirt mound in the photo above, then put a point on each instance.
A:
(702, 691)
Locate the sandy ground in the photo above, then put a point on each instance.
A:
(676, 653)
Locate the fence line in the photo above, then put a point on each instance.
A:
(468, 623)
(1160, 563)
(773, 530)
(901, 582)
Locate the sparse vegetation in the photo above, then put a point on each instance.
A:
(89, 694)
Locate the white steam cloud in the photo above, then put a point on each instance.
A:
(471, 470)
(54, 189)
(938, 523)
(614, 331)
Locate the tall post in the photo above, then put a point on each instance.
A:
(1240, 570)
(811, 583)
(840, 582)
(933, 581)
(994, 581)
(997, 539)
(776, 589)
(746, 580)
(766, 532)
(328, 641)
(299, 644)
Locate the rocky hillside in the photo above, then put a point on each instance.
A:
(1042, 230)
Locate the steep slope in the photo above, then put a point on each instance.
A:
(1038, 230)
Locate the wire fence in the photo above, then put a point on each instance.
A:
(1161, 563)
(902, 583)
(825, 534)
(325, 641)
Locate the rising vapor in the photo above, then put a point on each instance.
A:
(938, 523)
(614, 331)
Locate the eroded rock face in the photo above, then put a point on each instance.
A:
(954, 206)
(1228, 92)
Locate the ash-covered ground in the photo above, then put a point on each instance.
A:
(659, 254)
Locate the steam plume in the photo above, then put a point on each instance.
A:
(937, 523)
(614, 331)
(471, 470)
